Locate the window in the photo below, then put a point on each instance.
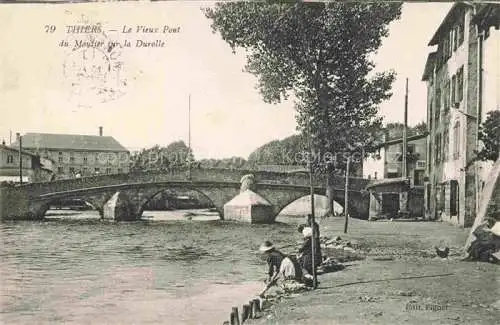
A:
(456, 31)
(85, 170)
(446, 96)
(418, 177)
(438, 148)
(460, 84)
(108, 170)
(438, 105)
(430, 116)
(72, 170)
(60, 170)
(453, 198)
(453, 90)
(10, 159)
(450, 42)
(445, 145)
(85, 159)
(71, 158)
(456, 140)
(375, 175)
(461, 30)
(97, 169)
(60, 158)
(120, 170)
(392, 175)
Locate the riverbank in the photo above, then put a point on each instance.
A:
(400, 281)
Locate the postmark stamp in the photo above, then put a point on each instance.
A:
(94, 68)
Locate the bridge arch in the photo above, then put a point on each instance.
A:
(148, 197)
(217, 195)
(302, 206)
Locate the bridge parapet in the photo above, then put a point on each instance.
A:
(197, 175)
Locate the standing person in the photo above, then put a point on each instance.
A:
(317, 241)
(306, 256)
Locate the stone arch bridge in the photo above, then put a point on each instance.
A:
(31, 201)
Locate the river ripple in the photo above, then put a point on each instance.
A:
(77, 269)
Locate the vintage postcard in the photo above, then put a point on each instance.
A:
(257, 162)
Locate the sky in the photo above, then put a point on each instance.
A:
(41, 89)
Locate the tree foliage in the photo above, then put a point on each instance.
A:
(395, 130)
(489, 135)
(321, 54)
(279, 152)
(176, 154)
(225, 163)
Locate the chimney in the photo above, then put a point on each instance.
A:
(100, 131)
(18, 135)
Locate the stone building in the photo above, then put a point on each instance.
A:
(32, 169)
(72, 154)
(462, 76)
(393, 193)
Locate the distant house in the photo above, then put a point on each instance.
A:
(32, 169)
(387, 161)
(70, 155)
(394, 194)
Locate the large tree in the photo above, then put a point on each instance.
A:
(320, 54)
(489, 135)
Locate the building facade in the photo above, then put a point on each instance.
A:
(11, 170)
(71, 155)
(387, 161)
(462, 77)
(394, 194)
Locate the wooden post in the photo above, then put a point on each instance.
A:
(256, 306)
(20, 160)
(346, 194)
(245, 313)
(251, 315)
(235, 317)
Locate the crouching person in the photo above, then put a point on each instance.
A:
(281, 267)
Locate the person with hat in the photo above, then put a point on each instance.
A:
(280, 266)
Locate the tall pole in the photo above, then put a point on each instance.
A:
(346, 194)
(10, 138)
(189, 136)
(405, 134)
(313, 222)
(20, 160)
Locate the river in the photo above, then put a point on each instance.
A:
(74, 268)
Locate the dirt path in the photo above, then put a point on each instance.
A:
(415, 287)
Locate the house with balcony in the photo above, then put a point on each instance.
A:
(71, 155)
(393, 194)
(462, 75)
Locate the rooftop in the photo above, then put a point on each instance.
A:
(13, 149)
(69, 141)
(455, 11)
(429, 66)
(400, 140)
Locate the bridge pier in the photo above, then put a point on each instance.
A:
(120, 208)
